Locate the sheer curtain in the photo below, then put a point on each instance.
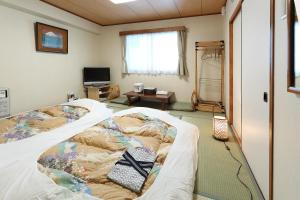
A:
(152, 53)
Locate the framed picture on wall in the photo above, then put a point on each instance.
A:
(51, 39)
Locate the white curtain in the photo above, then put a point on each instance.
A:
(182, 68)
(124, 64)
(151, 53)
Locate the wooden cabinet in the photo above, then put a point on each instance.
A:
(99, 93)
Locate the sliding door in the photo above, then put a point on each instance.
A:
(237, 79)
(255, 82)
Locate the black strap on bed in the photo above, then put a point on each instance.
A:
(139, 166)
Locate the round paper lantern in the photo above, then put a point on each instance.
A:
(220, 128)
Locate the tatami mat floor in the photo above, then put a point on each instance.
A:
(199, 197)
(216, 175)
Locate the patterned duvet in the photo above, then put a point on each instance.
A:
(35, 122)
(82, 163)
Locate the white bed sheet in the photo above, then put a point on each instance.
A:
(20, 178)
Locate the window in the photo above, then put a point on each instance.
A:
(152, 53)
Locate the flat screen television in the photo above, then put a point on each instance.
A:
(96, 76)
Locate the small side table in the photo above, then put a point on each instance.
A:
(163, 99)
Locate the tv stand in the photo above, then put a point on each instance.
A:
(99, 85)
(98, 92)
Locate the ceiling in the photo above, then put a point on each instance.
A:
(104, 12)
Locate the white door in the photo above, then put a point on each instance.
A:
(237, 73)
(255, 81)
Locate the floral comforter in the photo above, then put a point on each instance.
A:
(35, 122)
(82, 163)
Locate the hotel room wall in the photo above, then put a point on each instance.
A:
(199, 29)
(287, 118)
(38, 79)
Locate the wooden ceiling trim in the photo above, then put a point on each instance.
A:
(156, 30)
(142, 21)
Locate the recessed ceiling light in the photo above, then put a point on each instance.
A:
(121, 1)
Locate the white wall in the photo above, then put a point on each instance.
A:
(199, 29)
(46, 11)
(38, 79)
(287, 118)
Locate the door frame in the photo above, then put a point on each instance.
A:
(272, 98)
(236, 12)
(271, 89)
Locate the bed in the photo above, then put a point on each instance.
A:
(25, 164)
(29, 124)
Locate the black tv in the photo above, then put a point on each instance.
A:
(96, 76)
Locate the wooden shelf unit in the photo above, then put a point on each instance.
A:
(98, 93)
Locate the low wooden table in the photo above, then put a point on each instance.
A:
(163, 99)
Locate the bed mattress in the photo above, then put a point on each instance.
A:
(83, 162)
(21, 177)
(35, 122)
